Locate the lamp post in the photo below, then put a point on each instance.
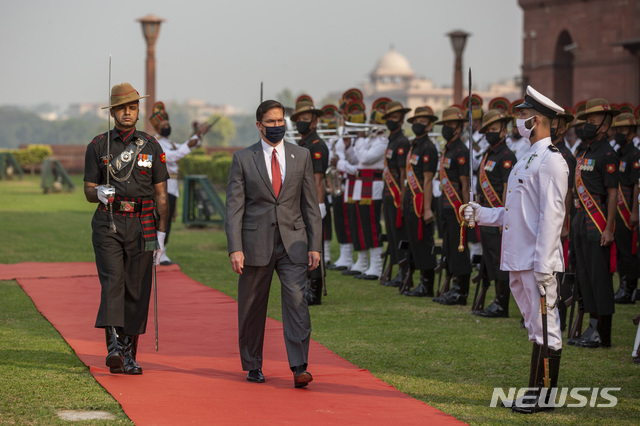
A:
(458, 41)
(150, 29)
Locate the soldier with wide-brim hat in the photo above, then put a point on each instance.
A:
(454, 172)
(306, 117)
(492, 116)
(532, 218)
(394, 176)
(625, 126)
(596, 192)
(133, 164)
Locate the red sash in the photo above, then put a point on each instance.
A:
(449, 191)
(395, 191)
(625, 214)
(416, 190)
(587, 201)
(490, 194)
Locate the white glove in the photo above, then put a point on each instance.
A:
(157, 254)
(544, 280)
(106, 193)
(471, 213)
(323, 210)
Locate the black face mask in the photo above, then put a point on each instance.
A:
(554, 133)
(274, 134)
(493, 138)
(447, 132)
(580, 133)
(393, 125)
(620, 138)
(165, 131)
(303, 127)
(590, 131)
(418, 129)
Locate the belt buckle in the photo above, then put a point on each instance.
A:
(127, 206)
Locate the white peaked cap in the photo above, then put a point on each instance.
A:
(536, 100)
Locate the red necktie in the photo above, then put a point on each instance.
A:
(275, 173)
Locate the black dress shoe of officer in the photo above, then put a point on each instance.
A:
(369, 277)
(420, 291)
(351, 272)
(493, 311)
(301, 377)
(255, 376)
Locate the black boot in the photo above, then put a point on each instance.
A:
(591, 337)
(115, 357)
(536, 350)
(545, 395)
(425, 288)
(458, 293)
(130, 344)
(499, 308)
(398, 280)
(623, 295)
(313, 294)
(604, 329)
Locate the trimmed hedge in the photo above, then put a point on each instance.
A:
(215, 167)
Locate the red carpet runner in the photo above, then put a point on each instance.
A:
(196, 377)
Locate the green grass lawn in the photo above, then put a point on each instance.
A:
(441, 355)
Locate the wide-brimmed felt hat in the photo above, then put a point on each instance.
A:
(597, 106)
(492, 116)
(625, 119)
(423, 111)
(539, 102)
(123, 93)
(453, 113)
(577, 123)
(395, 106)
(159, 114)
(305, 104)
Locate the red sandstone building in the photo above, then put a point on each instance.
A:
(575, 50)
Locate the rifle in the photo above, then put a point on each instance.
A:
(483, 284)
(575, 328)
(442, 265)
(408, 261)
(387, 267)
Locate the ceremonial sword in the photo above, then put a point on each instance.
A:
(464, 206)
(110, 190)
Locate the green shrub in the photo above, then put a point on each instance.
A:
(215, 167)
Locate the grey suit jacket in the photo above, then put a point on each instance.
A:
(252, 210)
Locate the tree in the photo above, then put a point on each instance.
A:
(221, 133)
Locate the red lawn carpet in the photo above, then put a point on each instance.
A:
(196, 377)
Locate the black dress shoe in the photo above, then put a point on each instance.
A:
(369, 277)
(351, 272)
(454, 299)
(255, 376)
(301, 377)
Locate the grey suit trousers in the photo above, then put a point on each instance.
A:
(253, 296)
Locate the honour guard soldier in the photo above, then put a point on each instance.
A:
(354, 112)
(493, 176)
(125, 234)
(306, 116)
(394, 177)
(626, 234)
(371, 152)
(454, 178)
(596, 194)
(422, 164)
(173, 153)
(531, 249)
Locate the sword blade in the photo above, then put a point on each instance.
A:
(470, 141)
(155, 301)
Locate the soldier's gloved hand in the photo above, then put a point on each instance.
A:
(471, 213)
(544, 280)
(323, 209)
(106, 193)
(157, 254)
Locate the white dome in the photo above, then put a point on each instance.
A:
(393, 63)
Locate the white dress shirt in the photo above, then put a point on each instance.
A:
(267, 150)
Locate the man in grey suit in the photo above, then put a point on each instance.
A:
(273, 223)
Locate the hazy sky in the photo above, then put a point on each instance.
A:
(58, 51)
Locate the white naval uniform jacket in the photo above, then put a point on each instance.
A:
(534, 212)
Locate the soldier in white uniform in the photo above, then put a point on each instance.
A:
(160, 121)
(531, 249)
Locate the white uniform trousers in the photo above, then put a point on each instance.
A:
(525, 292)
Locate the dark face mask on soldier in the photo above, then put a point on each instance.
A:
(165, 131)
(493, 138)
(418, 129)
(303, 127)
(447, 132)
(393, 125)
